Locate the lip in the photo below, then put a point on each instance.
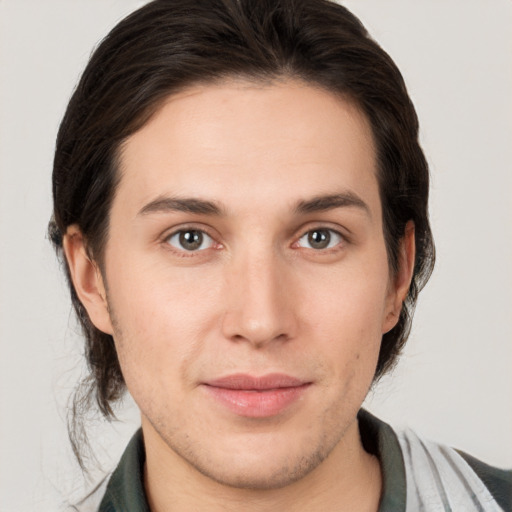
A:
(256, 397)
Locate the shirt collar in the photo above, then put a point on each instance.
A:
(125, 490)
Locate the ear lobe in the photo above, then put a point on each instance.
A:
(87, 279)
(399, 287)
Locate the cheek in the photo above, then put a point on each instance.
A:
(351, 300)
(161, 319)
(152, 295)
(346, 311)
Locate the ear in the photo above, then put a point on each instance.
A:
(87, 279)
(399, 284)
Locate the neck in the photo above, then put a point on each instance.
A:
(348, 479)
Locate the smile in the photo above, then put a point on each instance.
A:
(256, 397)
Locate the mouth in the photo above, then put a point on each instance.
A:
(256, 397)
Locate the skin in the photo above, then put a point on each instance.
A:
(257, 297)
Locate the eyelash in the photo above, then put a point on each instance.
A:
(215, 245)
(187, 253)
(330, 248)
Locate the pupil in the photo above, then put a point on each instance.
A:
(191, 240)
(319, 239)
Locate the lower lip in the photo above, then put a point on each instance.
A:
(257, 404)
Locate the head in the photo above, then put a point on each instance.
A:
(169, 54)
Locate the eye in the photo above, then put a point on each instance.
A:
(319, 239)
(190, 240)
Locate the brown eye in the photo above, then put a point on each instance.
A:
(319, 239)
(190, 240)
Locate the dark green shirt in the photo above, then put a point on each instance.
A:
(125, 489)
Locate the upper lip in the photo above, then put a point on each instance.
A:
(248, 382)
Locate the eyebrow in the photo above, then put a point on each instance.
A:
(204, 207)
(185, 204)
(329, 202)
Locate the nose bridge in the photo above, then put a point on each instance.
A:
(259, 307)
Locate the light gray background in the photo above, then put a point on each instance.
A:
(454, 382)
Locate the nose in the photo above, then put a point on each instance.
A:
(259, 306)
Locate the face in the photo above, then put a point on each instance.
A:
(247, 279)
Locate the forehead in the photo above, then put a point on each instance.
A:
(238, 140)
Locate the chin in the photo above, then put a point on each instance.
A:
(268, 460)
(261, 475)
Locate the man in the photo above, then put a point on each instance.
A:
(242, 204)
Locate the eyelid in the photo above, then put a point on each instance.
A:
(168, 234)
(207, 231)
(344, 239)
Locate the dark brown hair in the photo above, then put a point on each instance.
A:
(168, 45)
